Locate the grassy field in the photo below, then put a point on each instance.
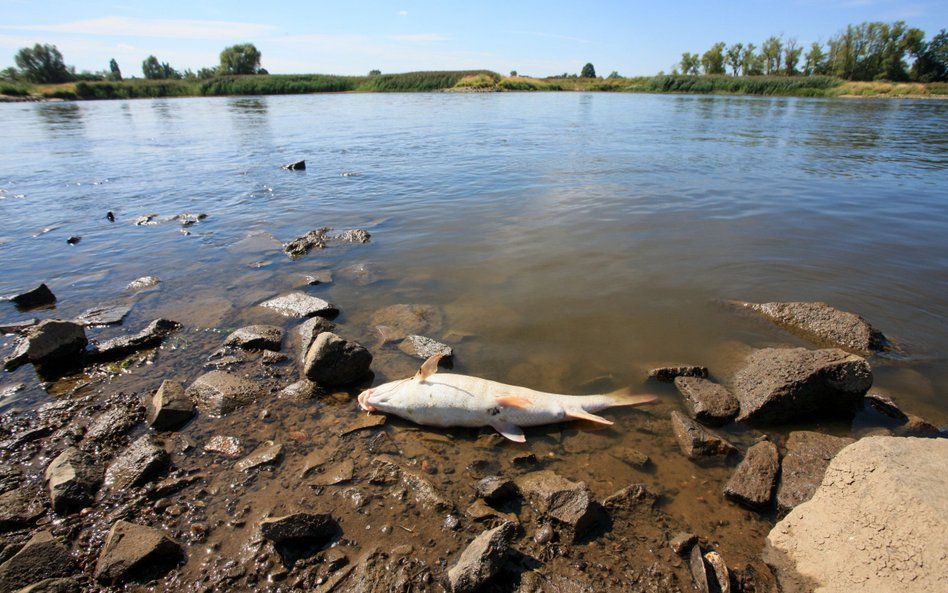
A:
(471, 81)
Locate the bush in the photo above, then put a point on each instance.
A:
(814, 86)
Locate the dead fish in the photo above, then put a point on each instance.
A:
(447, 399)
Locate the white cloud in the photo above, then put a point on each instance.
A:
(402, 13)
(164, 28)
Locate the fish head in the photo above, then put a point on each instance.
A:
(381, 398)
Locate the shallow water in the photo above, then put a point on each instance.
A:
(571, 241)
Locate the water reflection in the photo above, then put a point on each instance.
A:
(60, 118)
(164, 109)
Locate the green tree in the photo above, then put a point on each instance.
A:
(588, 71)
(206, 73)
(513, 73)
(155, 70)
(115, 73)
(733, 58)
(614, 74)
(815, 60)
(43, 64)
(771, 54)
(751, 63)
(791, 57)
(10, 74)
(243, 58)
(931, 59)
(713, 60)
(872, 51)
(690, 63)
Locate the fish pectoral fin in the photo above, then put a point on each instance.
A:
(584, 415)
(509, 430)
(513, 401)
(429, 367)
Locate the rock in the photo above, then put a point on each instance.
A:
(73, 479)
(885, 406)
(300, 246)
(270, 357)
(696, 441)
(556, 497)
(42, 557)
(318, 277)
(752, 483)
(808, 454)
(337, 474)
(110, 216)
(352, 236)
(302, 390)
(310, 329)
(170, 408)
(402, 320)
(114, 422)
(668, 374)
(146, 219)
(424, 348)
(877, 522)
(295, 166)
(18, 358)
(482, 559)
(9, 390)
(709, 403)
(299, 526)
(496, 490)
(218, 393)
(228, 446)
(823, 324)
(332, 360)
(479, 511)
(298, 304)
(20, 507)
(364, 422)
(73, 240)
(267, 453)
(143, 282)
(106, 315)
(630, 456)
(18, 327)
(783, 385)
(120, 347)
(424, 492)
(917, 427)
(256, 337)
(682, 542)
(143, 461)
(137, 553)
(190, 218)
(61, 585)
(54, 341)
(41, 296)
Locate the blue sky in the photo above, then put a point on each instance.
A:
(538, 38)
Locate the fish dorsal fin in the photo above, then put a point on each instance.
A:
(513, 401)
(429, 367)
(508, 430)
(584, 415)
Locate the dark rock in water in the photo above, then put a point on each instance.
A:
(496, 490)
(256, 337)
(267, 453)
(74, 239)
(783, 385)
(143, 282)
(482, 559)
(682, 542)
(332, 360)
(42, 557)
(310, 329)
(801, 472)
(218, 393)
(568, 502)
(17, 327)
(709, 402)
(302, 390)
(668, 374)
(885, 406)
(25, 436)
(917, 427)
(423, 347)
(120, 347)
(364, 422)
(73, 479)
(143, 461)
(110, 216)
(352, 236)
(190, 218)
(108, 315)
(41, 296)
(18, 358)
(752, 483)
(630, 456)
(824, 325)
(53, 341)
(295, 166)
(170, 408)
(114, 422)
(696, 441)
(20, 507)
(136, 553)
(298, 304)
(299, 526)
(300, 246)
(629, 498)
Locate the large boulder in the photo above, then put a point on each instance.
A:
(332, 360)
(42, 557)
(780, 385)
(804, 463)
(73, 478)
(218, 393)
(135, 552)
(482, 559)
(823, 324)
(54, 341)
(877, 522)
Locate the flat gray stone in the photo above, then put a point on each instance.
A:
(332, 360)
(708, 402)
(424, 348)
(104, 315)
(808, 454)
(877, 522)
(310, 329)
(752, 483)
(42, 557)
(268, 453)
(170, 408)
(481, 559)
(218, 393)
(301, 390)
(299, 304)
(142, 462)
(143, 283)
(149, 337)
(697, 442)
(136, 553)
(824, 325)
(73, 479)
(779, 385)
(256, 337)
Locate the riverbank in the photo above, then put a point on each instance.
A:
(468, 81)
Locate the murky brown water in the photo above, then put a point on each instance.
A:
(569, 243)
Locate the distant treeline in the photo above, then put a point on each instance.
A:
(870, 51)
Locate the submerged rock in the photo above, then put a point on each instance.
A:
(482, 559)
(696, 441)
(120, 347)
(256, 337)
(143, 461)
(300, 246)
(783, 385)
(402, 320)
(170, 408)
(41, 296)
(42, 557)
(135, 552)
(143, 282)
(824, 325)
(808, 454)
(877, 522)
(105, 315)
(332, 360)
(752, 483)
(299, 526)
(423, 347)
(709, 403)
(668, 374)
(298, 304)
(219, 393)
(73, 479)
(267, 453)
(496, 490)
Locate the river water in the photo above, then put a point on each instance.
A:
(570, 241)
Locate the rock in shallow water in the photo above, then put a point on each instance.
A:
(53, 341)
(41, 558)
(218, 393)
(299, 526)
(332, 360)
(73, 479)
(135, 552)
(697, 442)
(256, 337)
(150, 337)
(710, 403)
(804, 464)
(41, 296)
(298, 304)
(143, 461)
(423, 347)
(170, 408)
(668, 374)
(752, 483)
(824, 324)
(105, 315)
(482, 559)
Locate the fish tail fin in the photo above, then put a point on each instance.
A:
(625, 397)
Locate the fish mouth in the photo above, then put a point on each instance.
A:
(364, 401)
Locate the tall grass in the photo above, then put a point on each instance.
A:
(816, 86)
(276, 84)
(135, 89)
(14, 89)
(419, 81)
